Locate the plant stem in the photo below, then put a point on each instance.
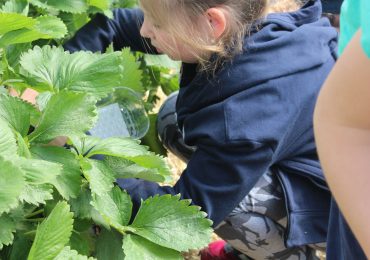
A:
(34, 213)
(30, 233)
(126, 229)
(35, 219)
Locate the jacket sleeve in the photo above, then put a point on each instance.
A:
(123, 31)
(216, 178)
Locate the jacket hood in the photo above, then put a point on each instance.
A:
(287, 43)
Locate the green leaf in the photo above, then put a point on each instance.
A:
(12, 21)
(109, 245)
(51, 27)
(70, 6)
(13, 53)
(101, 4)
(125, 169)
(126, 148)
(39, 171)
(115, 207)
(82, 242)
(36, 194)
(8, 146)
(81, 205)
(11, 185)
(162, 61)
(152, 161)
(6, 231)
(53, 233)
(66, 114)
(46, 27)
(100, 177)
(23, 149)
(15, 6)
(115, 146)
(151, 138)
(50, 68)
(83, 144)
(132, 75)
(42, 99)
(82, 208)
(68, 254)
(69, 181)
(161, 219)
(74, 21)
(136, 247)
(20, 248)
(16, 113)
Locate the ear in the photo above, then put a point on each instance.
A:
(217, 19)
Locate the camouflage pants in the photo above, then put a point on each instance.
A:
(256, 226)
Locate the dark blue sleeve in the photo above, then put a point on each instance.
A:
(123, 31)
(216, 178)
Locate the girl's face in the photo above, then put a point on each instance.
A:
(164, 43)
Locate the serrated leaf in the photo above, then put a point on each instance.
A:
(82, 208)
(71, 6)
(123, 168)
(68, 254)
(39, 171)
(109, 245)
(12, 184)
(161, 219)
(100, 177)
(132, 75)
(12, 21)
(136, 247)
(152, 161)
(66, 113)
(36, 194)
(101, 4)
(126, 148)
(53, 233)
(8, 146)
(115, 207)
(6, 231)
(115, 146)
(46, 27)
(51, 27)
(68, 182)
(13, 53)
(81, 205)
(15, 6)
(16, 113)
(50, 68)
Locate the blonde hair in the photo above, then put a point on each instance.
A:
(179, 18)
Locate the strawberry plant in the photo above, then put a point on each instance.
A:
(60, 202)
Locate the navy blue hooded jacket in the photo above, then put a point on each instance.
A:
(254, 115)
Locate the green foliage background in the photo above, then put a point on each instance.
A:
(61, 203)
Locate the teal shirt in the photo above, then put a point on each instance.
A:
(355, 15)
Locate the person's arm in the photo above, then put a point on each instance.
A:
(342, 130)
(123, 31)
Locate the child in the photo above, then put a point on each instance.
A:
(249, 83)
(342, 125)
